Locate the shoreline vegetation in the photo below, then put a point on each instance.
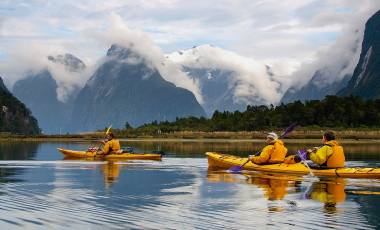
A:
(352, 118)
(251, 136)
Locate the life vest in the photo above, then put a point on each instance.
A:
(337, 158)
(279, 152)
(111, 146)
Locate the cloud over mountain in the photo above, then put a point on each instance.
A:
(337, 60)
(251, 81)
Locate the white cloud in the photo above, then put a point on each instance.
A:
(249, 78)
(340, 58)
(141, 43)
(31, 58)
(286, 33)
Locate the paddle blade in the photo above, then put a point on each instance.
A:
(108, 130)
(235, 169)
(302, 154)
(288, 130)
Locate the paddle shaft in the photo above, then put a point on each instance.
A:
(245, 163)
(305, 163)
(288, 130)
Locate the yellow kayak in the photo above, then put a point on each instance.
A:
(223, 161)
(123, 156)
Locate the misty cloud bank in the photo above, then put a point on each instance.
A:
(251, 78)
(339, 59)
(31, 59)
(143, 45)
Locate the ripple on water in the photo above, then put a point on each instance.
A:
(73, 195)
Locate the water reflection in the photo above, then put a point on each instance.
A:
(111, 172)
(15, 151)
(18, 150)
(178, 192)
(328, 191)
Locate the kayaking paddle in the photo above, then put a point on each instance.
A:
(107, 132)
(302, 154)
(236, 169)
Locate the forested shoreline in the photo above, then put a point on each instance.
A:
(333, 112)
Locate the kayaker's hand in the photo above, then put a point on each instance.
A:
(313, 150)
(119, 151)
(250, 157)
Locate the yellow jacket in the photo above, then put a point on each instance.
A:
(330, 155)
(111, 146)
(273, 153)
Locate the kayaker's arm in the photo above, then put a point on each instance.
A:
(264, 155)
(106, 147)
(321, 155)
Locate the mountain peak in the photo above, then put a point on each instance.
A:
(119, 51)
(69, 61)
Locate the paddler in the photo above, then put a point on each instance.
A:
(330, 155)
(111, 145)
(273, 153)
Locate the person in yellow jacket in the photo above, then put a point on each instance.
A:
(273, 153)
(111, 145)
(330, 155)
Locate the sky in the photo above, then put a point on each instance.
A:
(290, 35)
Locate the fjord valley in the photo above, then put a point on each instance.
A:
(199, 114)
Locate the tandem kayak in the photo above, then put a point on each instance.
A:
(224, 161)
(123, 156)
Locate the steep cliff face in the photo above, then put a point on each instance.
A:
(14, 116)
(125, 89)
(365, 81)
(39, 92)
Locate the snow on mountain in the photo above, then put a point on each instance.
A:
(228, 81)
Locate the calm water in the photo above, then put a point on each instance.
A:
(38, 189)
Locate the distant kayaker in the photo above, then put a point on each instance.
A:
(111, 145)
(330, 155)
(273, 153)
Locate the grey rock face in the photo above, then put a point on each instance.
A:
(124, 89)
(365, 81)
(71, 63)
(39, 92)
